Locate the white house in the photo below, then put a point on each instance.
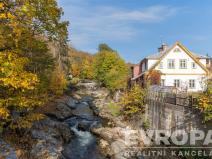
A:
(178, 66)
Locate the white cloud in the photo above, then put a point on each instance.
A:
(93, 24)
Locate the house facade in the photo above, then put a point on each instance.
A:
(179, 68)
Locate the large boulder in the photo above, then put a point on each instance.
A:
(83, 110)
(51, 137)
(108, 134)
(72, 103)
(60, 111)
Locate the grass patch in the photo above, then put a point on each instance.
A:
(115, 109)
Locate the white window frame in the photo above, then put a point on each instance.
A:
(183, 64)
(177, 83)
(192, 84)
(171, 63)
(193, 65)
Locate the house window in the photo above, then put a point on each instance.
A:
(161, 65)
(162, 83)
(193, 65)
(183, 64)
(192, 84)
(171, 63)
(177, 83)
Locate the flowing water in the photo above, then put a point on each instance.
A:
(84, 144)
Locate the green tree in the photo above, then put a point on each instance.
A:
(110, 70)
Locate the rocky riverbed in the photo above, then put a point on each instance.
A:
(79, 126)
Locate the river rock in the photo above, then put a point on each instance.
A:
(87, 99)
(60, 111)
(108, 134)
(72, 103)
(82, 110)
(105, 147)
(6, 151)
(50, 136)
(118, 148)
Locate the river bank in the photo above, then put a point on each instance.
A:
(78, 125)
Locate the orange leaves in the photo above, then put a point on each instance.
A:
(154, 77)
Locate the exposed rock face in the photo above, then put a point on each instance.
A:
(119, 140)
(50, 136)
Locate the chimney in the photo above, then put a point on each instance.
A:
(163, 48)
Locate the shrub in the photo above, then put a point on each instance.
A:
(146, 124)
(205, 102)
(133, 101)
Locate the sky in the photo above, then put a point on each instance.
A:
(136, 28)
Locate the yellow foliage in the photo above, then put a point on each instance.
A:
(3, 16)
(58, 81)
(133, 101)
(4, 113)
(75, 69)
(1, 5)
(12, 73)
(205, 102)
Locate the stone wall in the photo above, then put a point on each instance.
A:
(172, 111)
(171, 117)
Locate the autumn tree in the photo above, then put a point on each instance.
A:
(133, 101)
(81, 64)
(26, 29)
(154, 77)
(110, 70)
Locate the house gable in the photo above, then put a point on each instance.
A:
(176, 52)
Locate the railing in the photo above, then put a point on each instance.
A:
(180, 99)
